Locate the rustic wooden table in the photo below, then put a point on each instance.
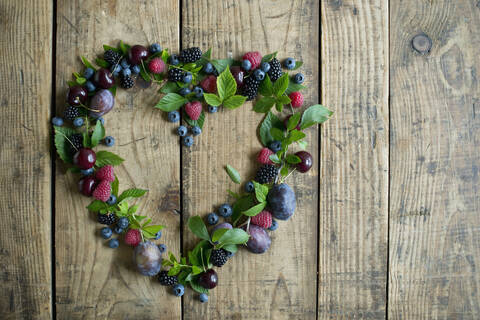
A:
(388, 221)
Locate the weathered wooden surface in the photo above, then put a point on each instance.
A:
(434, 156)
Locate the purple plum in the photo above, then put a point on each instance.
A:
(281, 200)
(147, 258)
(259, 241)
(102, 102)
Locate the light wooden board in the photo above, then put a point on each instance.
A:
(435, 121)
(354, 161)
(25, 206)
(92, 280)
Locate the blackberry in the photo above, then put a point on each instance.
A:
(266, 174)
(250, 88)
(108, 218)
(218, 257)
(275, 71)
(71, 113)
(190, 55)
(165, 279)
(76, 140)
(112, 57)
(127, 82)
(175, 74)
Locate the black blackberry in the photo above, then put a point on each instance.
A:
(218, 257)
(275, 71)
(165, 279)
(267, 173)
(175, 74)
(108, 218)
(76, 140)
(250, 88)
(112, 57)
(127, 82)
(190, 55)
(71, 113)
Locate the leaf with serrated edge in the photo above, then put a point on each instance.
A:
(270, 121)
(315, 114)
(233, 174)
(212, 99)
(253, 211)
(266, 87)
(171, 102)
(264, 104)
(269, 57)
(293, 159)
(226, 84)
(293, 121)
(198, 288)
(131, 193)
(277, 134)
(97, 134)
(234, 101)
(281, 85)
(62, 142)
(106, 157)
(115, 186)
(218, 234)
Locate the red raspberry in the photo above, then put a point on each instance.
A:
(254, 57)
(297, 99)
(156, 65)
(263, 219)
(132, 237)
(264, 156)
(193, 109)
(209, 84)
(105, 173)
(102, 191)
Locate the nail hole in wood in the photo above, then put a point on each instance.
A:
(422, 43)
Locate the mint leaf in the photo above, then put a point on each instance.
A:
(234, 101)
(295, 135)
(62, 142)
(293, 87)
(293, 159)
(102, 63)
(269, 57)
(123, 47)
(281, 85)
(266, 86)
(283, 100)
(106, 157)
(96, 206)
(171, 102)
(151, 231)
(284, 171)
(130, 194)
(169, 87)
(196, 270)
(97, 134)
(226, 85)
(87, 63)
(241, 205)
(293, 121)
(277, 134)
(268, 123)
(233, 174)
(253, 211)
(313, 115)
(274, 158)
(199, 122)
(233, 236)
(115, 186)
(198, 227)
(298, 64)
(261, 191)
(165, 55)
(231, 248)
(218, 234)
(264, 104)
(196, 287)
(222, 64)
(212, 99)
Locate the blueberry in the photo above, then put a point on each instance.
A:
(187, 78)
(112, 200)
(212, 109)
(299, 78)
(136, 69)
(57, 121)
(126, 72)
(116, 69)
(90, 86)
(117, 229)
(265, 66)
(203, 297)
(198, 92)
(106, 233)
(109, 141)
(102, 120)
(196, 130)
(173, 116)
(113, 243)
(173, 60)
(187, 141)
(259, 74)
(246, 65)
(88, 73)
(124, 63)
(274, 225)
(123, 222)
(87, 172)
(184, 91)
(78, 122)
(225, 210)
(208, 68)
(275, 146)
(158, 235)
(182, 131)
(229, 254)
(249, 187)
(212, 218)
(154, 48)
(178, 290)
(289, 63)
(162, 248)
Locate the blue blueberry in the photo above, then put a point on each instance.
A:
(106, 233)
(102, 120)
(57, 121)
(158, 235)
(246, 65)
(184, 91)
(126, 72)
(196, 130)
(275, 146)
(299, 78)
(154, 48)
(123, 222)
(88, 73)
(87, 172)
(124, 63)
(136, 69)
(274, 225)
(113, 243)
(229, 254)
(117, 229)
(182, 131)
(173, 60)
(116, 69)
(187, 78)
(162, 248)
(109, 141)
(212, 109)
(178, 290)
(203, 297)
(173, 116)
(187, 141)
(90, 86)
(265, 67)
(225, 210)
(259, 74)
(249, 187)
(212, 218)
(198, 92)
(78, 122)
(208, 68)
(112, 200)
(289, 63)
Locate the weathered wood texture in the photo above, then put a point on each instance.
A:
(435, 134)
(354, 160)
(93, 281)
(280, 284)
(25, 206)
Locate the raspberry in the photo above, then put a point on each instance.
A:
(105, 174)
(112, 57)
(266, 174)
(156, 65)
(102, 191)
(209, 84)
(190, 55)
(132, 237)
(127, 82)
(193, 109)
(175, 74)
(254, 57)
(218, 257)
(264, 156)
(263, 219)
(297, 99)
(250, 88)
(275, 71)
(107, 219)
(71, 113)
(166, 280)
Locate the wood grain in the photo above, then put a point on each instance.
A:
(280, 284)
(25, 165)
(435, 134)
(93, 281)
(354, 161)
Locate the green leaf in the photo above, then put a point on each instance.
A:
(269, 57)
(234, 102)
(152, 230)
(218, 234)
(233, 174)
(198, 288)
(97, 134)
(295, 135)
(106, 157)
(199, 122)
(130, 194)
(264, 104)
(231, 248)
(106, 47)
(144, 74)
(222, 64)
(261, 191)
(198, 227)
(102, 63)
(87, 63)
(293, 121)
(226, 85)
(87, 140)
(241, 205)
(165, 55)
(293, 87)
(313, 115)
(256, 209)
(270, 121)
(195, 255)
(169, 87)
(123, 47)
(281, 85)
(71, 83)
(113, 90)
(212, 99)
(277, 134)
(234, 194)
(302, 144)
(115, 186)
(283, 100)
(293, 159)
(233, 236)
(171, 102)
(266, 87)
(298, 64)
(62, 142)
(279, 106)
(196, 270)
(274, 158)
(174, 270)
(284, 171)
(96, 206)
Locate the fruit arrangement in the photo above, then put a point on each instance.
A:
(191, 83)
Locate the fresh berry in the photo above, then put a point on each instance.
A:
(281, 201)
(196, 130)
(187, 77)
(263, 219)
(225, 210)
(208, 279)
(173, 60)
(250, 88)
(126, 72)
(137, 53)
(259, 74)
(107, 219)
(296, 98)
(289, 63)
(71, 113)
(306, 162)
(136, 69)
(255, 58)
(187, 141)
(57, 121)
(127, 82)
(87, 172)
(285, 122)
(113, 243)
(132, 237)
(249, 187)
(101, 103)
(90, 86)
(275, 71)
(246, 65)
(84, 158)
(212, 218)
(115, 70)
(76, 141)
(76, 96)
(266, 174)
(203, 297)
(106, 233)
(123, 222)
(156, 65)
(193, 109)
(198, 92)
(209, 84)
(112, 200)
(162, 247)
(155, 47)
(158, 235)
(124, 63)
(112, 57)
(178, 290)
(208, 68)
(117, 229)
(103, 78)
(184, 91)
(263, 156)
(182, 131)
(259, 240)
(109, 141)
(105, 173)
(175, 74)
(190, 55)
(103, 191)
(299, 78)
(88, 73)
(86, 185)
(274, 225)
(173, 116)
(166, 280)
(265, 67)
(212, 109)
(238, 75)
(275, 146)
(218, 257)
(78, 122)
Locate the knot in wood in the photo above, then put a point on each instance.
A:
(422, 43)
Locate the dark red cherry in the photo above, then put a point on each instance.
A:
(306, 163)
(238, 74)
(104, 78)
(86, 185)
(76, 95)
(208, 279)
(84, 158)
(285, 122)
(137, 53)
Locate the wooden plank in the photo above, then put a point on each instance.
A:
(354, 160)
(435, 114)
(94, 281)
(26, 82)
(280, 284)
